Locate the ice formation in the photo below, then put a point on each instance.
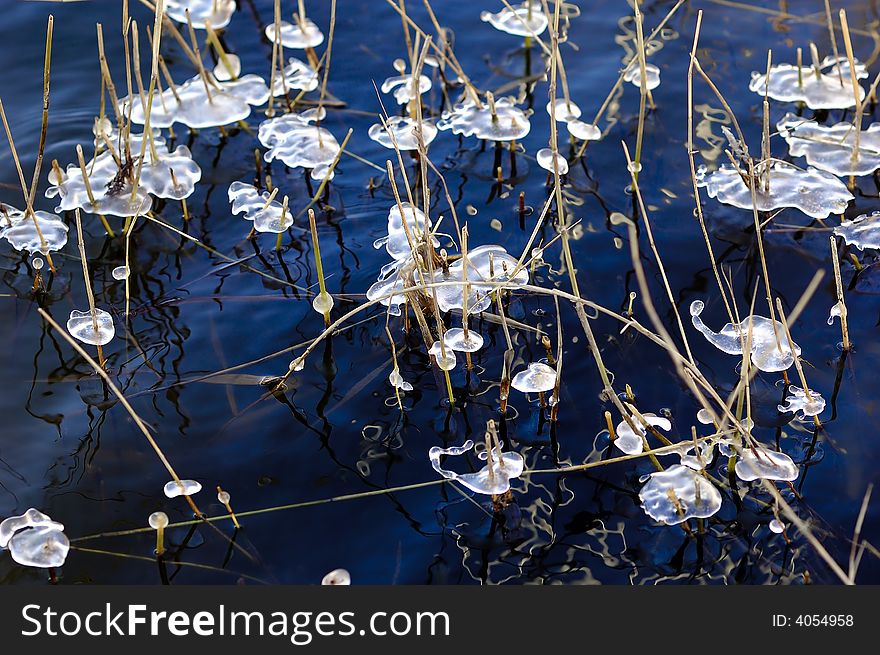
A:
(797, 401)
(35, 540)
(824, 91)
(584, 131)
(402, 85)
(633, 443)
(81, 326)
(814, 192)
(830, 148)
(766, 465)
(515, 19)
(545, 159)
(403, 128)
(192, 104)
(397, 381)
(111, 188)
(173, 489)
(22, 234)
(565, 111)
(456, 339)
(294, 140)
(305, 34)
(862, 232)
(507, 123)
(216, 12)
(336, 577)
(493, 479)
(297, 75)
(537, 378)
(677, 494)
(633, 75)
(267, 216)
(445, 356)
(770, 350)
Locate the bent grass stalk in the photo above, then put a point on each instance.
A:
(319, 264)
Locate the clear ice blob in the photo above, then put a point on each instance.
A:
(822, 92)
(119, 273)
(266, 216)
(403, 87)
(445, 356)
(537, 378)
(337, 577)
(565, 111)
(296, 142)
(82, 327)
(677, 494)
(584, 131)
(767, 354)
(508, 123)
(173, 489)
(633, 443)
(397, 381)
(814, 192)
(796, 401)
(404, 130)
(302, 35)
(861, 232)
(633, 75)
(766, 465)
(516, 20)
(492, 479)
(830, 148)
(216, 12)
(21, 233)
(456, 339)
(545, 159)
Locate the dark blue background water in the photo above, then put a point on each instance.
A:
(338, 432)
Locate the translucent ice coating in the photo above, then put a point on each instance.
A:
(216, 12)
(445, 356)
(388, 289)
(171, 174)
(565, 111)
(456, 339)
(397, 243)
(822, 92)
(267, 216)
(174, 488)
(766, 465)
(584, 131)
(82, 327)
(632, 443)
(298, 75)
(41, 547)
(830, 148)
(545, 159)
(677, 494)
(304, 34)
(861, 232)
(22, 234)
(770, 350)
(397, 381)
(515, 20)
(403, 128)
(192, 105)
(295, 141)
(507, 124)
(633, 75)
(336, 577)
(223, 73)
(797, 401)
(110, 198)
(814, 192)
(32, 518)
(402, 85)
(537, 378)
(492, 479)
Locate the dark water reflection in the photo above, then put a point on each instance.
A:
(68, 449)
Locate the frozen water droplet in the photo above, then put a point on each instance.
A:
(777, 526)
(120, 272)
(81, 326)
(322, 303)
(174, 488)
(445, 356)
